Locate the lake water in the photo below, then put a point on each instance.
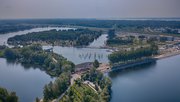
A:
(80, 55)
(100, 42)
(28, 83)
(154, 83)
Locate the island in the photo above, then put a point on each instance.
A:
(33, 55)
(130, 43)
(77, 37)
(92, 85)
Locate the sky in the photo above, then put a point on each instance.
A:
(12, 9)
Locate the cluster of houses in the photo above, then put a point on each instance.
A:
(161, 38)
(165, 30)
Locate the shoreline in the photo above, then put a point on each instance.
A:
(166, 55)
(105, 67)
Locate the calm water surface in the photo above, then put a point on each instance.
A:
(28, 83)
(81, 55)
(155, 83)
(100, 42)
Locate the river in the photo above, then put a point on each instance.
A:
(28, 83)
(153, 83)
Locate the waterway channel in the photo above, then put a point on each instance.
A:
(152, 83)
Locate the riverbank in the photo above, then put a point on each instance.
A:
(170, 54)
(106, 67)
(150, 83)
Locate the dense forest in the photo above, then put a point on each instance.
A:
(24, 24)
(132, 55)
(6, 96)
(35, 56)
(14, 28)
(95, 22)
(79, 37)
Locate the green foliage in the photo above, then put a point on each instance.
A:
(7, 97)
(111, 33)
(34, 55)
(80, 92)
(10, 53)
(78, 82)
(133, 54)
(77, 37)
(119, 41)
(54, 90)
(98, 79)
(96, 63)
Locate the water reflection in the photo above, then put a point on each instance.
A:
(151, 83)
(144, 67)
(85, 56)
(81, 55)
(27, 82)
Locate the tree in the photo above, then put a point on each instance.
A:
(96, 63)
(46, 93)
(111, 33)
(37, 99)
(10, 53)
(12, 97)
(6, 97)
(78, 82)
(59, 86)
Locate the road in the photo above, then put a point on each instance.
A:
(73, 78)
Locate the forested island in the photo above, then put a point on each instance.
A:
(35, 56)
(78, 37)
(92, 87)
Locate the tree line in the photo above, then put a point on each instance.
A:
(34, 55)
(94, 23)
(54, 89)
(78, 37)
(123, 56)
(6, 96)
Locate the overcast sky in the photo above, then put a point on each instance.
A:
(88, 8)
